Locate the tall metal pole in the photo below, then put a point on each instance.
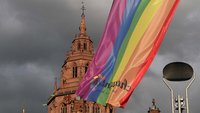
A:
(186, 91)
(178, 72)
(172, 94)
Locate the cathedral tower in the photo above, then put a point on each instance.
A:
(64, 99)
(154, 109)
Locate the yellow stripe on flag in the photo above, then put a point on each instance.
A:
(141, 27)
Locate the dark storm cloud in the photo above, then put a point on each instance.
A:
(24, 86)
(40, 35)
(36, 29)
(36, 34)
(183, 35)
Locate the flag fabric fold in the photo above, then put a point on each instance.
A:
(131, 38)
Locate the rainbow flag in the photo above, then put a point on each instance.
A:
(132, 36)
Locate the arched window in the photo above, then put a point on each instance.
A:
(86, 67)
(87, 108)
(85, 46)
(96, 109)
(74, 71)
(72, 106)
(63, 108)
(111, 110)
(79, 46)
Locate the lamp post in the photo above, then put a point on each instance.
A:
(178, 72)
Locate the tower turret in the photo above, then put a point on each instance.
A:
(78, 58)
(153, 108)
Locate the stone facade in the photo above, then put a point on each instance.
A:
(76, 64)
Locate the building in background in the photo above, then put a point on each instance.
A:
(75, 66)
(154, 109)
(23, 110)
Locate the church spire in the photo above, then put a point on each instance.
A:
(154, 104)
(83, 8)
(82, 27)
(153, 108)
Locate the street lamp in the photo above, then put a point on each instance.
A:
(178, 72)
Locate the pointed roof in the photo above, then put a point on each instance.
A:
(82, 26)
(154, 104)
(153, 107)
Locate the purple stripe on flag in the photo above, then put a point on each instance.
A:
(105, 46)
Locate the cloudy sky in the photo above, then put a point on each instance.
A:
(36, 34)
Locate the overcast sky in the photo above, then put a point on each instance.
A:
(36, 34)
